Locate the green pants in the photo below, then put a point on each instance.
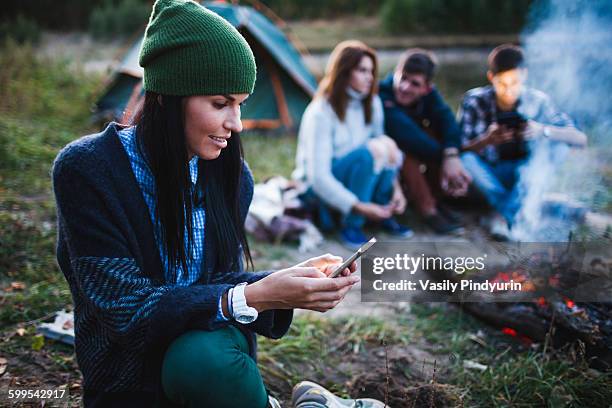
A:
(212, 369)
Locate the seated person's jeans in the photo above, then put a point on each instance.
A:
(212, 369)
(500, 182)
(356, 171)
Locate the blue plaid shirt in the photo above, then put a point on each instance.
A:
(146, 182)
(479, 109)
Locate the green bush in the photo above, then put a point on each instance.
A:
(397, 15)
(299, 9)
(22, 30)
(454, 16)
(52, 14)
(44, 104)
(118, 18)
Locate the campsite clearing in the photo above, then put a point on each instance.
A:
(336, 350)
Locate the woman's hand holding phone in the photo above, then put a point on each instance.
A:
(295, 288)
(328, 263)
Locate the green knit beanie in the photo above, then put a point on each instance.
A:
(189, 50)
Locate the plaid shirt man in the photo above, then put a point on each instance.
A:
(479, 109)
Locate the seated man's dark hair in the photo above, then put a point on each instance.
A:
(505, 57)
(417, 61)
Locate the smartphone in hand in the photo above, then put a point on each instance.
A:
(512, 120)
(353, 258)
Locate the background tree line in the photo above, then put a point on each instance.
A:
(23, 19)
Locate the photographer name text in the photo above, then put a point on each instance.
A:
(445, 285)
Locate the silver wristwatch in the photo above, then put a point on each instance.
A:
(242, 312)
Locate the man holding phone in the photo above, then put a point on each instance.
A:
(498, 122)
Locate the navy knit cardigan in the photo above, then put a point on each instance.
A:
(125, 313)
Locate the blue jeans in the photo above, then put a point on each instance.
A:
(498, 182)
(355, 171)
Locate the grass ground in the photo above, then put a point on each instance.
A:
(320, 35)
(416, 359)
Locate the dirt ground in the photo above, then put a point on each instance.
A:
(400, 375)
(352, 304)
(403, 375)
(55, 364)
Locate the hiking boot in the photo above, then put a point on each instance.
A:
(353, 238)
(396, 229)
(307, 394)
(441, 225)
(451, 215)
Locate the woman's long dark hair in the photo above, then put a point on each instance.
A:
(161, 138)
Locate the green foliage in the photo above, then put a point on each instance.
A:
(515, 376)
(44, 104)
(533, 379)
(454, 16)
(106, 17)
(26, 247)
(114, 18)
(299, 9)
(22, 30)
(38, 342)
(269, 155)
(398, 15)
(52, 14)
(27, 254)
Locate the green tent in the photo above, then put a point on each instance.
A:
(283, 88)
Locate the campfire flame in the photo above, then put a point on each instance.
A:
(513, 333)
(509, 331)
(550, 307)
(516, 276)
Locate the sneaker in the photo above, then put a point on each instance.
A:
(353, 238)
(307, 394)
(441, 225)
(273, 402)
(451, 215)
(396, 229)
(498, 227)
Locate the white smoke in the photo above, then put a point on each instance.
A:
(568, 51)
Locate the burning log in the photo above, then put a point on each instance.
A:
(544, 308)
(516, 317)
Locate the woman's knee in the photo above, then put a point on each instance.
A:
(385, 151)
(377, 149)
(212, 366)
(362, 158)
(379, 152)
(396, 156)
(388, 142)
